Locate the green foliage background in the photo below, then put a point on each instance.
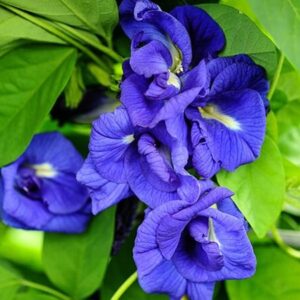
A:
(63, 46)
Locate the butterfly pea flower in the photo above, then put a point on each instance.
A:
(183, 248)
(39, 190)
(222, 101)
(124, 159)
(168, 42)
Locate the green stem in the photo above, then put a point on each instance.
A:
(280, 242)
(46, 25)
(45, 289)
(109, 52)
(124, 287)
(276, 76)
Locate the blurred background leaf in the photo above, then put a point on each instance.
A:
(259, 188)
(30, 83)
(243, 36)
(97, 16)
(281, 18)
(77, 263)
(276, 278)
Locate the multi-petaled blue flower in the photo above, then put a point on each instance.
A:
(173, 74)
(124, 158)
(39, 190)
(183, 249)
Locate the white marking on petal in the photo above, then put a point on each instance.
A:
(211, 232)
(212, 112)
(44, 170)
(128, 139)
(174, 80)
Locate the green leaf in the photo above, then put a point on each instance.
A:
(34, 295)
(77, 263)
(259, 188)
(10, 281)
(13, 28)
(272, 128)
(74, 89)
(243, 36)
(119, 269)
(281, 18)
(289, 131)
(31, 79)
(98, 16)
(289, 83)
(276, 278)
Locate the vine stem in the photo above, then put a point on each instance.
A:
(45, 25)
(124, 287)
(45, 289)
(276, 76)
(280, 242)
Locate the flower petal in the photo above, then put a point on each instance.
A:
(145, 16)
(33, 214)
(73, 223)
(151, 59)
(111, 137)
(237, 251)
(104, 193)
(140, 109)
(147, 256)
(63, 194)
(153, 192)
(206, 35)
(164, 279)
(234, 123)
(203, 291)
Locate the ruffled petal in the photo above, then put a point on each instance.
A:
(168, 235)
(111, 137)
(156, 160)
(33, 214)
(164, 279)
(203, 291)
(234, 123)
(204, 160)
(239, 76)
(140, 109)
(206, 35)
(147, 17)
(146, 186)
(104, 193)
(176, 105)
(48, 147)
(146, 254)
(210, 197)
(151, 59)
(163, 86)
(237, 73)
(197, 77)
(237, 251)
(63, 194)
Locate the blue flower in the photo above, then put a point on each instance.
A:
(221, 101)
(124, 158)
(39, 190)
(168, 42)
(183, 249)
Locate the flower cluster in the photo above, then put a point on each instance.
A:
(182, 107)
(39, 190)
